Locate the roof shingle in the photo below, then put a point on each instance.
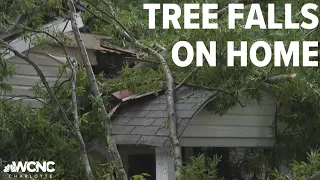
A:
(143, 121)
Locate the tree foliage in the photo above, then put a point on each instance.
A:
(200, 167)
(297, 99)
(302, 170)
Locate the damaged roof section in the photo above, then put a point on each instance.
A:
(145, 121)
(118, 50)
(91, 41)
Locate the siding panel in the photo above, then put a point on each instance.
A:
(39, 59)
(26, 76)
(27, 102)
(19, 91)
(253, 109)
(48, 71)
(227, 142)
(227, 131)
(23, 80)
(72, 51)
(207, 118)
(240, 127)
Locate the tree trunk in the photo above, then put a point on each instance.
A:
(171, 105)
(111, 144)
(170, 100)
(169, 92)
(83, 149)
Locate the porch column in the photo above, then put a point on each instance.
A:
(164, 164)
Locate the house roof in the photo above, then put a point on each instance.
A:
(91, 41)
(13, 31)
(143, 121)
(98, 43)
(117, 50)
(21, 44)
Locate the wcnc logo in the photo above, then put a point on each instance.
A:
(30, 169)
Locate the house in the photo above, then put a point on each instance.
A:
(25, 76)
(140, 124)
(142, 136)
(51, 59)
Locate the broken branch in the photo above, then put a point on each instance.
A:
(278, 78)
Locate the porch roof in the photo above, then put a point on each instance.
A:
(144, 121)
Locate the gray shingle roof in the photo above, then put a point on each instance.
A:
(143, 121)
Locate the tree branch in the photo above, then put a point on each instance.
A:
(75, 126)
(186, 78)
(26, 97)
(141, 95)
(111, 144)
(111, 16)
(51, 36)
(218, 90)
(169, 93)
(42, 77)
(83, 149)
(278, 78)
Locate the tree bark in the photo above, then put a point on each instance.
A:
(278, 78)
(170, 99)
(83, 149)
(111, 144)
(169, 92)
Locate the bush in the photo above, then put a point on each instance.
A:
(200, 168)
(301, 170)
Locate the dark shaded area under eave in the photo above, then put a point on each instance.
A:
(143, 121)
